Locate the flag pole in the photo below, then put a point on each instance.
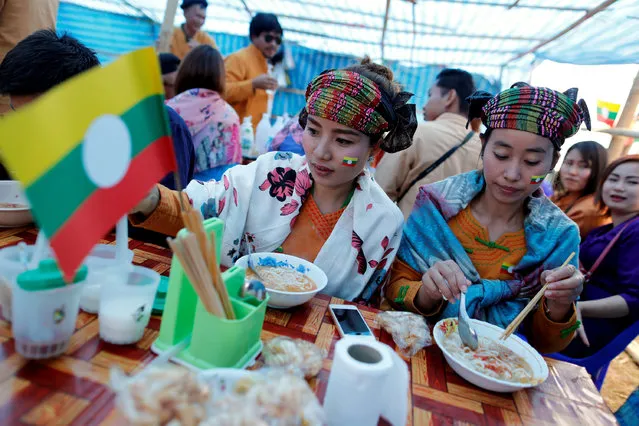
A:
(121, 239)
(38, 251)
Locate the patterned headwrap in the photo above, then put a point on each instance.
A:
(538, 110)
(351, 99)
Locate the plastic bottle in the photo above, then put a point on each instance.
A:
(262, 133)
(246, 136)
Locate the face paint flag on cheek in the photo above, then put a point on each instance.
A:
(537, 179)
(350, 161)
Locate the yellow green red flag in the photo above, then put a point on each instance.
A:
(89, 150)
(607, 112)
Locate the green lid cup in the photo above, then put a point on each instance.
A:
(45, 309)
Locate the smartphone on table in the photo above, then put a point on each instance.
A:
(349, 321)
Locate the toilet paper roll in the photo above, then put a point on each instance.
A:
(368, 379)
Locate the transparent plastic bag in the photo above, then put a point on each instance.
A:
(410, 331)
(294, 354)
(271, 397)
(160, 396)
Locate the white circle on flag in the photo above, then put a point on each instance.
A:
(106, 151)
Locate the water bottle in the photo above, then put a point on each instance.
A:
(262, 133)
(246, 136)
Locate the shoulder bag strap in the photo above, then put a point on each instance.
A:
(605, 252)
(436, 164)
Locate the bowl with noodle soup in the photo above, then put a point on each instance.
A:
(497, 365)
(14, 207)
(289, 280)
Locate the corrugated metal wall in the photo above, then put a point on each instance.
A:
(112, 34)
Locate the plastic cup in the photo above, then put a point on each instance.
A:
(44, 321)
(126, 301)
(10, 268)
(103, 256)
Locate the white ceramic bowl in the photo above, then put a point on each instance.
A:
(514, 343)
(11, 192)
(287, 299)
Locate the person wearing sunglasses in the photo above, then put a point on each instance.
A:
(247, 78)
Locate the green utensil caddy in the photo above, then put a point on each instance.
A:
(214, 342)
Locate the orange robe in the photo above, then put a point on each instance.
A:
(583, 211)
(241, 68)
(180, 46)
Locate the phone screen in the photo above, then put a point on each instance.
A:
(351, 322)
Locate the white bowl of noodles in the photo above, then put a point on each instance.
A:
(290, 281)
(499, 366)
(14, 207)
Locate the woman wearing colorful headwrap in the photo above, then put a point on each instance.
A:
(491, 233)
(324, 206)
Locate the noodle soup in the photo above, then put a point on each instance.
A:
(491, 358)
(283, 279)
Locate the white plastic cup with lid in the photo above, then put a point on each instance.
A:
(126, 301)
(103, 256)
(45, 309)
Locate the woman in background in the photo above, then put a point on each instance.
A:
(576, 184)
(610, 300)
(213, 123)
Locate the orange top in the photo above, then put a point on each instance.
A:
(311, 230)
(583, 211)
(180, 47)
(488, 258)
(491, 259)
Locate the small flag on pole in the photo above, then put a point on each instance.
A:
(89, 150)
(607, 112)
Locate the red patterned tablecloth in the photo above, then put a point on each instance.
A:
(73, 389)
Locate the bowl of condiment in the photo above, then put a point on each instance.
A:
(289, 280)
(497, 365)
(14, 207)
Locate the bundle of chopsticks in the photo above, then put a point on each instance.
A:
(513, 326)
(197, 253)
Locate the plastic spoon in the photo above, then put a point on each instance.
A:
(466, 333)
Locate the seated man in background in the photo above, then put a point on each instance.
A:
(446, 115)
(190, 34)
(247, 78)
(169, 64)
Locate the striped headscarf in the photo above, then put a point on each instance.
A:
(537, 110)
(353, 100)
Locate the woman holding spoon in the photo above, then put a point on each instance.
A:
(492, 233)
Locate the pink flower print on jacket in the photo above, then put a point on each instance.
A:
(387, 251)
(280, 183)
(357, 244)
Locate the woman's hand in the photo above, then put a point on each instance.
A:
(443, 280)
(581, 332)
(564, 287)
(148, 204)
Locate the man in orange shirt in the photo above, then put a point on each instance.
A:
(247, 78)
(18, 19)
(190, 34)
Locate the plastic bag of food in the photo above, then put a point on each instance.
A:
(294, 354)
(271, 397)
(410, 331)
(160, 396)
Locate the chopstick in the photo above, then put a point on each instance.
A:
(529, 307)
